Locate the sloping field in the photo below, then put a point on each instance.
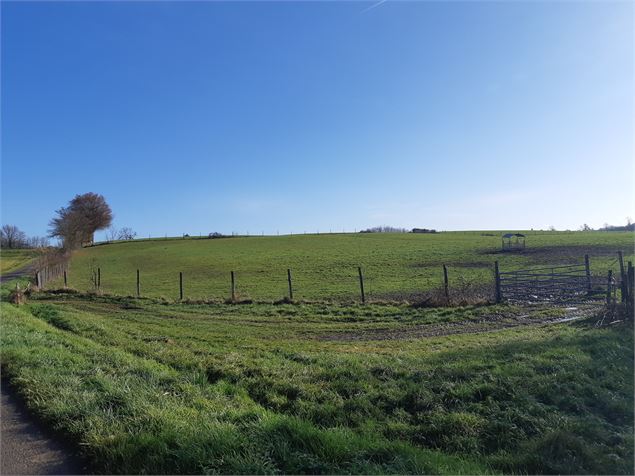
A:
(324, 267)
(141, 386)
(11, 260)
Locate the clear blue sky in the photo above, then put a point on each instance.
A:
(306, 116)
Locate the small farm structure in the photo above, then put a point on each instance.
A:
(513, 241)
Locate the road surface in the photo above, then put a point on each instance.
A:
(26, 270)
(25, 448)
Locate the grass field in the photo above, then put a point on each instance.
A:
(155, 386)
(10, 260)
(142, 386)
(324, 267)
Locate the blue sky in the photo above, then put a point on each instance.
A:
(305, 116)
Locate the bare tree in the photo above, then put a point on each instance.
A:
(76, 224)
(12, 237)
(68, 227)
(126, 234)
(38, 242)
(112, 233)
(95, 213)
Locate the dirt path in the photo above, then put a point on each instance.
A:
(26, 270)
(24, 446)
(486, 324)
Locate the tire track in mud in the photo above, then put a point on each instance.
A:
(485, 324)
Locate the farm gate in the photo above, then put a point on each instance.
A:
(564, 283)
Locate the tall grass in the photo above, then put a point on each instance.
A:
(148, 387)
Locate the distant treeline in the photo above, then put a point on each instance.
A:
(11, 237)
(627, 227)
(392, 229)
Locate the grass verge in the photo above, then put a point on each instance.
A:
(149, 387)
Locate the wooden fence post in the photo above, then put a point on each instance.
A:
(446, 287)
(138, 285)
(290, 286)
(587, 269)
(497, 278)
(181, 285)
(98, 278)
(233, 289)
(65, 280)
(623, 283)
(38, 280)
(620, 257)
(608, 287)
(630, 278)
(361, 283)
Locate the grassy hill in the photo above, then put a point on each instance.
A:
(10, 260)
(149, 386)
(324, 267)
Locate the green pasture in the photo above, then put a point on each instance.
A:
(139, 386)
(324, 267)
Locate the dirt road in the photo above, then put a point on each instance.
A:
(25, 448)
(26, 270)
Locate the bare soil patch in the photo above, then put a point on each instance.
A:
(561, 253)
(485, 324)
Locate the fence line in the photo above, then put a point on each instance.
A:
(51, 272)
(563, 282)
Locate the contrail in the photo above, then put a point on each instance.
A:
(374, 5)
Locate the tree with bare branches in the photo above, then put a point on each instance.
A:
(112, 233)
(12, 237)
(77, 223)
(124, 234)
(93, 211)
(127, 233)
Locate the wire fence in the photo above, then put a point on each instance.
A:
(442, 285)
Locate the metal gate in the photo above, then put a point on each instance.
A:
(564, 283)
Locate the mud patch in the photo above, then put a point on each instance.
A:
(452, 264)
(560, 253)
(485, 324)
